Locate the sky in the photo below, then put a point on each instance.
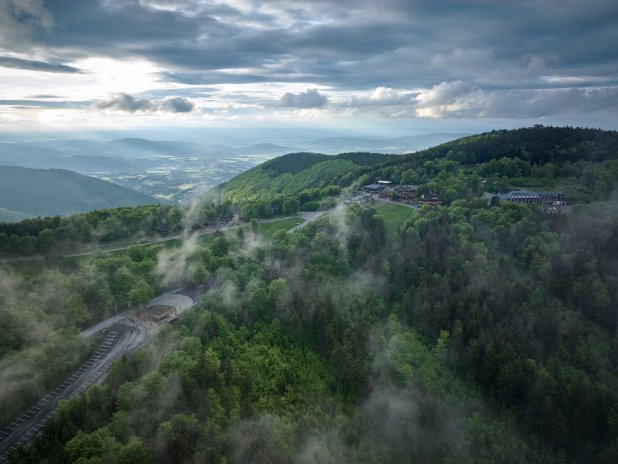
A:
(373, 67)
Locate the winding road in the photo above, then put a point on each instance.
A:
(121, 337)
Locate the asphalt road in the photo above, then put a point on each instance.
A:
(308, 217)
(120, 338)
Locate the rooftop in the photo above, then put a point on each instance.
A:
(158, 310)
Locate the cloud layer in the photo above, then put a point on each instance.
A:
(395, 58)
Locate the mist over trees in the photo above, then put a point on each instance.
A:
(63, 234)
(336, 345)
(474, 332)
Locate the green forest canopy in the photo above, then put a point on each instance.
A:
(470, 333)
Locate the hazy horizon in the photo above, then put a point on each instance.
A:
(267, 71)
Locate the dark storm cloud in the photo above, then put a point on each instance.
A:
(130, 104)
(18, 19)
(365, 31)
(10, 62)
(103, 25)
(202, 42)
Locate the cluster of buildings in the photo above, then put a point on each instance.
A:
(407, 194)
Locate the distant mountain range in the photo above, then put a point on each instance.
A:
(36, 192)
(6, 215)
(334, 145)
(136, 154)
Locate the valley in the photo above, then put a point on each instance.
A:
(176, 172)
(178, 179)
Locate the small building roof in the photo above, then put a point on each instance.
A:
(158, 310)
(550, 194)
(518, 193)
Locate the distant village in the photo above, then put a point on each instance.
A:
(551, 202)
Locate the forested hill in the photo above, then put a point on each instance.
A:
(290, 174)
(583, 163)
(50, 192)
(536, 145)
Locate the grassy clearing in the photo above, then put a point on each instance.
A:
(394, 216)
(267, 229)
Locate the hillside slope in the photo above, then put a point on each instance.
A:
(50, 192)
(581, 163)
(537, 145)
(292, 173)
